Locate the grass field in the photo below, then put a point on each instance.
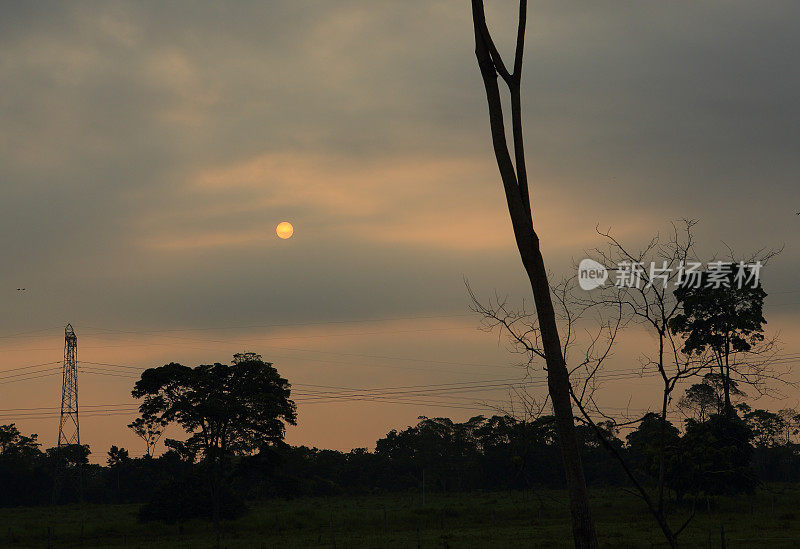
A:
(771, 518)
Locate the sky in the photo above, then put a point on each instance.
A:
(148, 150)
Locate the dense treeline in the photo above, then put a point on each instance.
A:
(712, 454)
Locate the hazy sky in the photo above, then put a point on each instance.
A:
(148, 150)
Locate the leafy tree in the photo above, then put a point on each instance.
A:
(519, 453)
(14, 443)
(767, 427)
(791, 423)
(225, 409)
(71, 455)
(245, 357)
(700, 401)
(24, 475)
(645, 444)
(117, 456)
(70, 463)
(149, 429)
(722, 315)
(718, 454)
(703, 399)
(185, 452)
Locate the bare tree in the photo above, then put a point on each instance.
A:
(614, 308)
(645, 289)
(645, 298)
(515, 184)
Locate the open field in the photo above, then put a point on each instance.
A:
(496, 519)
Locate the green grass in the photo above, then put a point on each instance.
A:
(479, 519)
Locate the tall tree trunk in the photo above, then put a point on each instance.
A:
(558, 386)
(515, 185)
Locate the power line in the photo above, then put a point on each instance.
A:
(83, 406)
(29, 373)
(414, 391)
(137, 368)
(30, 366)
(36, 374)
(55, 373)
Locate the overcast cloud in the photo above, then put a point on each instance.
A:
(148, 150)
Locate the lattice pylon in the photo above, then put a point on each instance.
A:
(68, 482)
(69, 428)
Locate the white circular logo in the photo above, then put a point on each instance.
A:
(591, 274)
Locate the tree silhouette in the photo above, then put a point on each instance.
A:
(225, 409)
(767, 427)
(718, 455)
(791, 423)
(707, 397)
(515, 184)
(654, 449)
(721, 317)
(14, 443)
(149, 429)
(117, 457)
(71, 455)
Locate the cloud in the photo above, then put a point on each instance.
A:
(147, 151)
(135, 140)
(428, 202)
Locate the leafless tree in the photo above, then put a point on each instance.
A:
(646, 294)
(515, 183)
(646, 300)
(612, 309)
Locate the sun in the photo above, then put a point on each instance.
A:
(284, 230)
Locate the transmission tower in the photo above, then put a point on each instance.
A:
(68, 482)
(68, 429)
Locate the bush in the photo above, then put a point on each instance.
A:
(717, 455)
